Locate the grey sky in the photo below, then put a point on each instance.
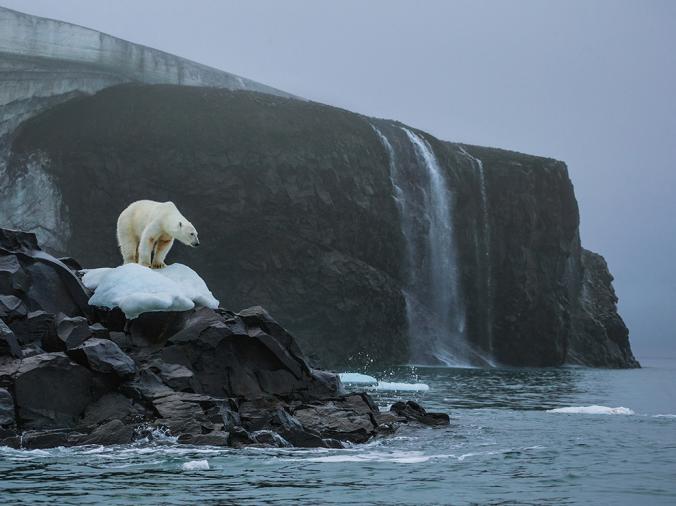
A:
(592, 83)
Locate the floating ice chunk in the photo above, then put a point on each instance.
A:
(593, 410)
(402, 387)
(355, 378)
(196, 465)
(136, 289)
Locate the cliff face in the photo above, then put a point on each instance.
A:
(299, 208)
(290, 199)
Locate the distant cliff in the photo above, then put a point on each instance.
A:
(300, 209)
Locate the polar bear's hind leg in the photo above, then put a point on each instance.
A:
(126, 239)
(129, 250)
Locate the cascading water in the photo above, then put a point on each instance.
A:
(486, 242)
(435, 309)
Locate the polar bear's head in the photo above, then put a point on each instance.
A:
(186, 233)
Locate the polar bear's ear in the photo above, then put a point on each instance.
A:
(180, 224)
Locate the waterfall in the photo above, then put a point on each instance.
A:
(486, 250)
(434, 304)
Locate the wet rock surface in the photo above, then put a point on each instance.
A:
(207, 377)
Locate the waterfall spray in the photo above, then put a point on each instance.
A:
(434, 303)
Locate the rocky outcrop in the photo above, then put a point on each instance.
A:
(599, 337)
(72, 374)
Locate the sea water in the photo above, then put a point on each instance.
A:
(536, 436)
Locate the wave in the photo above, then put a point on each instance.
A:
(412, 457)
(593, 410)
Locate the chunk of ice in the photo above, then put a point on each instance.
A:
(136, 289)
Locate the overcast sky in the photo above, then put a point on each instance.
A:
(589, 82)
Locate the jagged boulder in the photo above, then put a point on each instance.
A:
(39, 280)
(52, 391)
(7, 417)
(234, 355)
(9, 345)
(103, 356)
(70, 332)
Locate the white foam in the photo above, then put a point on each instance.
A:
(196, 465)
(665, 416)
(355, 378)
(402, 387)
(398, 457)
(593, 410)
(136, 289)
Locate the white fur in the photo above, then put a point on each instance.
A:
(146, 231)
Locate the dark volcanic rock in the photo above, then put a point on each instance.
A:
(233, 356)
(412, 411)
(599, 337)
(349, 419)
(207, 377)
(110, 433)
(112, 406)
(7, 417)
(51, 391)
(9, 345)
(71, 332)
(103, 356)
(12, 307)
(216, 438)
(38, 439)
(37, 328)
(37, 278)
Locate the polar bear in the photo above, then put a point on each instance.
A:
(146, 231)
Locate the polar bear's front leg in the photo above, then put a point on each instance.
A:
(146, 246)
(161, 250)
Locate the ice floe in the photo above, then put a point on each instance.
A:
(196, 465)
(593, 410)
(355, 378)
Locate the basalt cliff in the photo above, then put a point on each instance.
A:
(369, 240)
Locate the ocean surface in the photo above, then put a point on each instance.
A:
(525, 436)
